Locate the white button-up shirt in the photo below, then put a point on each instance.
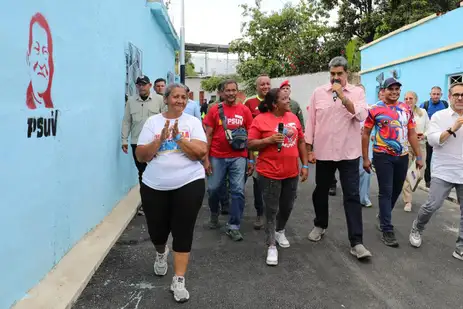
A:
(447, 158)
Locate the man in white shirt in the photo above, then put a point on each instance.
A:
(445, 135)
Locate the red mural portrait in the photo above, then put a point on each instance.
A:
(40, 62)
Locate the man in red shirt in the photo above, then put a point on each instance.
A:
(262, 88)
(223, 160)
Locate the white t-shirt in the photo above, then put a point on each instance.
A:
(171, 169)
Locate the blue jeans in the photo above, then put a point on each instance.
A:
(364, 185)
(391, 172)
(236, 169)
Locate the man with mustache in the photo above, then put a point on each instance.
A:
(445, 135)
(394, 125)
(137, 110)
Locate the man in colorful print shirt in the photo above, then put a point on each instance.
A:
(394, 126)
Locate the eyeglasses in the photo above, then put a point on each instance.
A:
(457, 95)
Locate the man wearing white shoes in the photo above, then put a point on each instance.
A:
(445, 135)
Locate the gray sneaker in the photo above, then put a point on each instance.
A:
(316, 234)
(360, 252)
(160, 264)
(177, 287)
(458, 255)
(415, 238)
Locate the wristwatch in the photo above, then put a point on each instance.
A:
(449, 130)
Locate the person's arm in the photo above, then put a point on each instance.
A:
(358, 109)
(258, 144)
(366, 142)
(126, 125)
(148, 145)
(195, 148)
(413, 140)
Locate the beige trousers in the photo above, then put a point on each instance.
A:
(407, 189)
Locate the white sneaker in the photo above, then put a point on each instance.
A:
(160, 264)
(316, 234)
(177, 287)
(408, 207)
(415, 238)
(281, 239)
(272, 256)
(360, 252)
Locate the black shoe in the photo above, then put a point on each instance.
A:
(428, 185)
(332, 191)
(214, 222)
(389, 239)
(224, 211)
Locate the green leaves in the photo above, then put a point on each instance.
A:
(295, 40)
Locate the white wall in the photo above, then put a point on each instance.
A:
(194, 83)
(302, 86)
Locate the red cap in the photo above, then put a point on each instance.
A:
(285, 83)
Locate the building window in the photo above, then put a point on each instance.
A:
(134, 68)
(455, 78)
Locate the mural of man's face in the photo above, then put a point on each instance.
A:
(39, 67)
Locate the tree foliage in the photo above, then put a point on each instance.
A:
(211, 84)
(293, 41)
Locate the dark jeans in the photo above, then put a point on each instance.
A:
(349, 176)
(235, 169)
(391, 172)
(173, 211)
(140, 166)
(427, 172)
(258, 199)
(279, 197)
(225, 195)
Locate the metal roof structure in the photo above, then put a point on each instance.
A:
(207, 47)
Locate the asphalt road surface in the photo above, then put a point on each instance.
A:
(223, 274)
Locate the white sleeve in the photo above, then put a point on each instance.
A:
(434, 131)
(197, 130)
(147, 133)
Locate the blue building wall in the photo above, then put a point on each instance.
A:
(422, 74)
(430, 35)
(56, 188)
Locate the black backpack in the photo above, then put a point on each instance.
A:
(426, 105)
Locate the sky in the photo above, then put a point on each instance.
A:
(216, 21)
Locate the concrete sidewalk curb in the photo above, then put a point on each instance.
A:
(449, 198)
(61, 287)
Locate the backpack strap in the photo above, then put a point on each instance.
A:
(222, 116)
(446, 104)
(426, 105)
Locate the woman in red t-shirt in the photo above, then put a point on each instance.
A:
(278, 164)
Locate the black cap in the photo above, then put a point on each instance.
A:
(144, 80)
(390, 81)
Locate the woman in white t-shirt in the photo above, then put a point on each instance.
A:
(422, 123)
(173, 184)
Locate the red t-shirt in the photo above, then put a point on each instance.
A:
(237, 116)
(253, 104)
(271, 163)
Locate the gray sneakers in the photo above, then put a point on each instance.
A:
(360, 252)
(177, 287)
(316, 234)
(160, 264)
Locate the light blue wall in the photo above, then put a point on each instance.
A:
(55, 189)
(436, 33)
(420, 75)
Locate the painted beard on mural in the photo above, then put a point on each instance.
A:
(41, 70)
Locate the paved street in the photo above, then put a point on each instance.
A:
(224, 274)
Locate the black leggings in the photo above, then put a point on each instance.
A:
(173, 211)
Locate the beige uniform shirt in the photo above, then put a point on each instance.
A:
(136, 113)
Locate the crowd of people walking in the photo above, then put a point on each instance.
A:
(179, 156)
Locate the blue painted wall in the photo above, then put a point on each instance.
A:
(431, 35)
(422, 74)
(55, 189)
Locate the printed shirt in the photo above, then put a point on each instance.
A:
(236, 116)
(253, 104)
(331, 129)
(392, 123)
(171, 169)
(271, 163)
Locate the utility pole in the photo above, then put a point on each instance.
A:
(182, 43)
